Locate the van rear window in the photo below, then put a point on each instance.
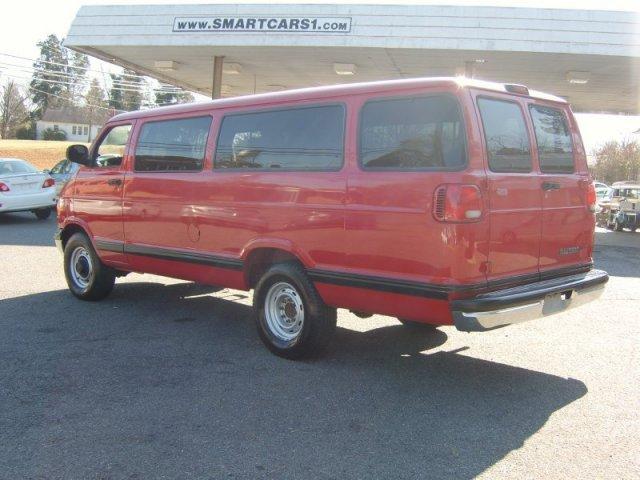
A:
(307, 138)
(172, 145)
(506, 136)
(555, 150)
(418, 133)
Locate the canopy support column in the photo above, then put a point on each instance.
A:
(216, 87)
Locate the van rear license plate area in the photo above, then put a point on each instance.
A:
(556, 302)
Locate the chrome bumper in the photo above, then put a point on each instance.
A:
(527, 302)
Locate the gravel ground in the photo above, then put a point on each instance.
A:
(166, 379)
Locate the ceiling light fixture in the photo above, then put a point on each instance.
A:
(165, 65)
(231, 68)
(578, 78)
(344, 68)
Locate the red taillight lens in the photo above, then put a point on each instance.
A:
(49, 182)
(4, 187)
(457, 203)
(591, 197)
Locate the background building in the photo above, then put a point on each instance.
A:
(590, 57)
(79, 124)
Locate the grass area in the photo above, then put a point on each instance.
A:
(40, 153)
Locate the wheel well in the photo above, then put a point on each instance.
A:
(259, 260)
(68, 231)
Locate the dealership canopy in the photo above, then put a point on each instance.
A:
(590, 57)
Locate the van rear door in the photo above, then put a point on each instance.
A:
(567, 222)
(514, 195)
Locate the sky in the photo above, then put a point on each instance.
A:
(25, 22)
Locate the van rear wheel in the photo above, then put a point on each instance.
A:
(87, 277)
(292, 320)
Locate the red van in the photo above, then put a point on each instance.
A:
(439, 201)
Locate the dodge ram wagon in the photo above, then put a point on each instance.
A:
(438, 201)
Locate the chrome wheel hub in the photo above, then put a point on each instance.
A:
(80, 267)
(284, 311)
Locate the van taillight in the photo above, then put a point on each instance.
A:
(4, 187)
(457, 203)
(49, 182)
(591, 197)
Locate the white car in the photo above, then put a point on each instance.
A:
(601, 189)
(24, 188)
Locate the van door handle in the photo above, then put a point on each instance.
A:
(114, 181)
(546, 186)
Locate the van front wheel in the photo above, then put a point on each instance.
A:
(292, 320)
(87, 277)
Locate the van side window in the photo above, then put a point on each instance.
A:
(110, 151)
(308, 138)
(506, 136)
(172, 145)
(412, 134)
(555, 150)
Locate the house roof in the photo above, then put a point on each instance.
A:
(79, 115)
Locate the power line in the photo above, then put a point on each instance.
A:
(68, 99)
(66, 65)
(87, 81)
(87, 105)
(57, 82)
(142, 90)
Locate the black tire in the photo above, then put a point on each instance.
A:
(318, 324)
(42, 213)
(417, 325)
(92, 279)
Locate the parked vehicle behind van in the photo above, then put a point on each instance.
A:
(23, 188)
(436, 201)
(62, 172)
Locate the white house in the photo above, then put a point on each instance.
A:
(79, 124)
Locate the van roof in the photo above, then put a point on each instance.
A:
(315, 93)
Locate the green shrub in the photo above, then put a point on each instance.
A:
(26, 132)
(51, 134)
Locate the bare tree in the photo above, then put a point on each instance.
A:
(13, 109)
(617, 160)
(94, 102)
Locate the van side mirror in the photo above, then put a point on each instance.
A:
(78, 154)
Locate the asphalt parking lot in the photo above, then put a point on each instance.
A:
(166, 379)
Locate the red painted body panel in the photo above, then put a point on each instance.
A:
(353, 222)
(565, 221)
(407, 307)
(96, 204)
(237, 212)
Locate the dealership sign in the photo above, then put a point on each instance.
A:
(263, 24)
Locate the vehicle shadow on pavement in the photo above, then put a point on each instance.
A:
(25, 229)
(169, 380)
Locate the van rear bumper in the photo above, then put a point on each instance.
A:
(527, 302)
